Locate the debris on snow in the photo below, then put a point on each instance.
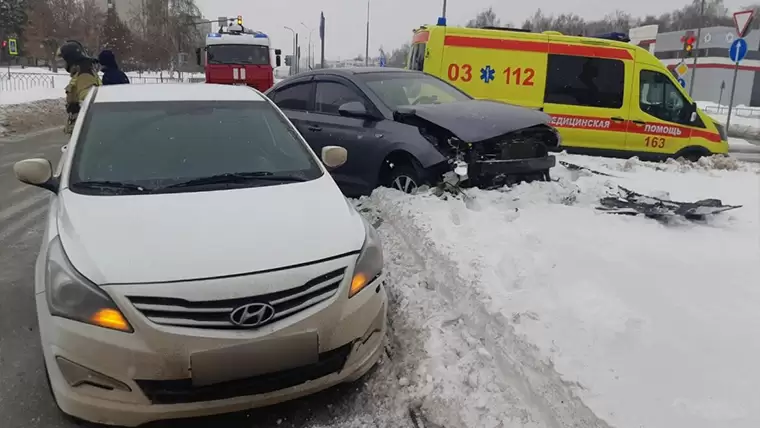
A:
(633, 203)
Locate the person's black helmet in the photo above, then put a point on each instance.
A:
(72, 52)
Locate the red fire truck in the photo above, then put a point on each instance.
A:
(236, 55)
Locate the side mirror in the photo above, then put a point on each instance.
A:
(37, 172)
(693, 117)
(334, 156)
(353, 109)
(198, 55)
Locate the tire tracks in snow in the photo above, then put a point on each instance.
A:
(527, 379)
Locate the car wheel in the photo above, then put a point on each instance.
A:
(403, 177)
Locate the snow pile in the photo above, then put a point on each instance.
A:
(647, 324)
(37, 115)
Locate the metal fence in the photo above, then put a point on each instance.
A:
(10, 82)
(736, 111)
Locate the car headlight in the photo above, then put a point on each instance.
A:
(369, 265)
(70, 295)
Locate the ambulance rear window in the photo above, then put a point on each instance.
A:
(417, 56)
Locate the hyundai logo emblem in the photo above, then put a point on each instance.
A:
(252, 315)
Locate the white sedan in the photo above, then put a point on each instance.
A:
(198, 258)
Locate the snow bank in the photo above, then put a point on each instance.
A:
(37, 115)
(745, 121)
(647, 324)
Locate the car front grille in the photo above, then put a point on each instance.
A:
(215, 314)
(182, 390)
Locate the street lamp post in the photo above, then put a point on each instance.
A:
(311, 30)
(294, 50)
(366, 46)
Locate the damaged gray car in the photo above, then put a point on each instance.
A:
(404, 129)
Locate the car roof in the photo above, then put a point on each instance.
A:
(350, 71)
(148, 92)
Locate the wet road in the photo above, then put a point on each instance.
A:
(24, 398)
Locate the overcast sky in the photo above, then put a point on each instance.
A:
(392, 21)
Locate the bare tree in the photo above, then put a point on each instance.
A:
(485, 18)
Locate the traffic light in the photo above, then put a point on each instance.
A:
(5, 43)
(688, 44)
(288, 60)
(239, 20)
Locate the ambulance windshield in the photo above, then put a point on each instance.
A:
(238, 54)
(405, 88)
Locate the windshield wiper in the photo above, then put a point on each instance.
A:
(235, 177)
(110, 185)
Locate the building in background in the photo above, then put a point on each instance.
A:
(714, 68)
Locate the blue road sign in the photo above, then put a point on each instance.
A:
(738, 50)
(682, 82)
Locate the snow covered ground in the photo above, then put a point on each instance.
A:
(529, 308)
(745, 121)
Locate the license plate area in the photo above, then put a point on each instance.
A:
(254, 358)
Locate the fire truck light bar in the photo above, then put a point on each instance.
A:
(214, 35)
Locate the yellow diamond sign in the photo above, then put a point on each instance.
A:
(681, 69)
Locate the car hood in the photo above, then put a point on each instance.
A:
(474, 120)
(181, 236)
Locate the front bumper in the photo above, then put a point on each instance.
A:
(151, 371)
(511, 166)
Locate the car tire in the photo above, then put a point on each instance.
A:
(67, 417)
(403, 177)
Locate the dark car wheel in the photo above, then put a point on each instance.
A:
(403, 177)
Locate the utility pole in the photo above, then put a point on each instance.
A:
(293, 57)
(696, 47)
(366, 47)
(309, 63)
(297, 56)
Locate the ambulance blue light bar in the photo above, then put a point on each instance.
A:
(620, 37)
(214, 35)
(441, 21)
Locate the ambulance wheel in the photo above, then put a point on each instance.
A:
(692, 154)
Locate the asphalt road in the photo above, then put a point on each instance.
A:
(24, 398)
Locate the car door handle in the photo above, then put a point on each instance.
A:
(315, 128)
(639, 122)
(617, 119)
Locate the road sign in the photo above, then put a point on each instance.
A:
(681, 69)
(12, 47)
(738, 50)
(742, 20)
(682, 82)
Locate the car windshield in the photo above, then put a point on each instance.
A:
(151, 146)
(401, 88)
(238, 54)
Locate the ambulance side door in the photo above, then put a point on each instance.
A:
(660, 114)
(588, 97)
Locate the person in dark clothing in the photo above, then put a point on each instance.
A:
(111, 73)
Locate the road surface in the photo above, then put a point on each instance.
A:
(24, 398)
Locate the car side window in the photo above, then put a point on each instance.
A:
(332, 95)
(584, 81)
(294, 97)
(660, 98)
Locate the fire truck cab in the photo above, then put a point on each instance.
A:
(236, 55)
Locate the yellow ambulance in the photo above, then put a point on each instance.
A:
(605, 96)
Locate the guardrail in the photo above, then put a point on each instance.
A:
(738, 111)
(10, 82)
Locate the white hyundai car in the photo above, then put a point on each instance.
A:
(198, 258)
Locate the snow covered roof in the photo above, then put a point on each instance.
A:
(176, 92)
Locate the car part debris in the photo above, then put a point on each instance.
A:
(633, 203)
(574, 167)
